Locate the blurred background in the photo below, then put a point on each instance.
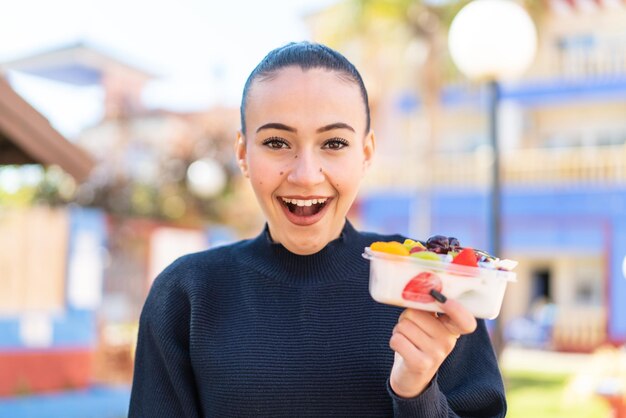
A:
(117, 124)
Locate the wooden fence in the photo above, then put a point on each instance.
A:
(33, 258)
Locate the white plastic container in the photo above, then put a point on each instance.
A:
(405, 281)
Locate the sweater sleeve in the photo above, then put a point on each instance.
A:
(163, 381)
(468, 384)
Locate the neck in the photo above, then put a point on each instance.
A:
(309, 245)
(335, 261)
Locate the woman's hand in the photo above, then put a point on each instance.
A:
(422, 341)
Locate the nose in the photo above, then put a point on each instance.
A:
(306, 170)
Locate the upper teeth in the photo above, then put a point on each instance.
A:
(309, 202)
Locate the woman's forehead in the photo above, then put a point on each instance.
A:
(314, 93)
(301, 80)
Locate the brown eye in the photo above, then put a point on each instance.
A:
(335, 144)
(275, 143)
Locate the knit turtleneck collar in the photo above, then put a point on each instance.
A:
(336, 261)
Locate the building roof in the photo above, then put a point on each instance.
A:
(77, 64)
(26, 137)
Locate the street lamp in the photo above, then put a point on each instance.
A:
(490, 41)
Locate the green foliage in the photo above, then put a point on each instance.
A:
(408, 11)
(21, 198)
(542, 395)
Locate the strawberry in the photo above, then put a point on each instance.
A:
(419, 287)
(466, 257)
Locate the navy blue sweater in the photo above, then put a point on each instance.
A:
(252, 330)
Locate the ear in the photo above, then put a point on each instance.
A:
(241, 153)
(369, 147)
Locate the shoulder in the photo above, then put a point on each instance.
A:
(177, 286)
(199, 268)
(369, 237)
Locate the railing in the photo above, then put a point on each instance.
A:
(579, 329)
(605, 164)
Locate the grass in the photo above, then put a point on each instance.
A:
(542, 395)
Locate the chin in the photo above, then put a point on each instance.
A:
(306, 246)
(309, 239)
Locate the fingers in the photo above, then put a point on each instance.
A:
(427, 321)
(431, 339)
(415, 359)
(457, 319)
(421, 342)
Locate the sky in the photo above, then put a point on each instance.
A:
(200, 51)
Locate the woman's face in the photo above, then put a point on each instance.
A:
(305, 151)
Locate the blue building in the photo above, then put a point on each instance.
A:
(563, 139)
(570, 241)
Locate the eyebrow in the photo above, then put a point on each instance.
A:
(274, 125)
(283, 127)
(338, 125)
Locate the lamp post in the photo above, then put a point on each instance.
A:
(491, 41)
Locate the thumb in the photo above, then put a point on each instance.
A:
(457, 318)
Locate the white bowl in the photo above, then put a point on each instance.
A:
(480, 290)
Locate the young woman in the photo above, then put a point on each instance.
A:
(282, 325)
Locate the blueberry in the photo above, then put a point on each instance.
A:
(438, 244)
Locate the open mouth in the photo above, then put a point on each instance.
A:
(304, 211)
(304, 207)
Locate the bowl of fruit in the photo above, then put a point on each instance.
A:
(405, 274)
